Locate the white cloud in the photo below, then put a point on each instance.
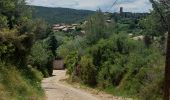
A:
(129, 5)
(136, 5)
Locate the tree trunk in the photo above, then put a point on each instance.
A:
(167, 65)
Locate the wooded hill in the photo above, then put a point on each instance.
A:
(60, 15)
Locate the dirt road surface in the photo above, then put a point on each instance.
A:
(57, 90)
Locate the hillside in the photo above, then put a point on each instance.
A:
(60, 15)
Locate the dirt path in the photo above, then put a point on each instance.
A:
(57, 90)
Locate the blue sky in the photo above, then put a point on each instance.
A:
(105, 5)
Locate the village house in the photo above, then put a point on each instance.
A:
(64, 27)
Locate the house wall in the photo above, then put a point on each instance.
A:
(58, 64)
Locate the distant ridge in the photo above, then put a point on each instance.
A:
(60, 15)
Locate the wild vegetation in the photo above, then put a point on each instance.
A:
(22, 39)
(109, 58)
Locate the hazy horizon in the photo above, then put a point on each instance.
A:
(104, 5)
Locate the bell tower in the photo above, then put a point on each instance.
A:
(121, 10)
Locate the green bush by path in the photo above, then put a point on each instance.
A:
(87, 70)
(71, 62)
(17, 85)
(122, 63)
(111, 60)
(41, 57)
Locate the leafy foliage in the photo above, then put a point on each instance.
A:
(116, 60)
(87, 70)
(53, 45)
(17, 84)
(96, 28)
(71, 45)
(71, 63)
(41, 57)
(17, 35)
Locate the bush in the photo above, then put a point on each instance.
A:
(13, 48)
(41, 58)
(77, 44)
(88, 71)
(111, 74)
(15, 85)
(143, 74)
(71, 62)
(104, 75)
(152, 89)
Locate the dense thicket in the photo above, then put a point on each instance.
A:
(112, 59)
(19, 78)
(18, 33)
(20, 85)
(108, 56)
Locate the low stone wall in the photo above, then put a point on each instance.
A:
(58, 64)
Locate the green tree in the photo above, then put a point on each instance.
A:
(53, 45)
(96, 27)
(41, 29)
(165, 16)
(153, 26)
(41, 57)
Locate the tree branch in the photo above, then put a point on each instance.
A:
(163, 18)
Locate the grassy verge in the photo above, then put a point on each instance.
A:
(114, 91)
(20, 85)
(96, 91)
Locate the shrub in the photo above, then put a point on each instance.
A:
(104, 75)
(14, 47)
(16, 85)
(71, 62)
(41, 58)
(77, 44)
(152, 88)
(88, 71)
(111, 74)
(120, 62)
(142, 74)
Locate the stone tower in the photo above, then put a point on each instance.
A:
(121, 10)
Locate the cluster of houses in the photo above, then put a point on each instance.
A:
(64, 27)
(137, 38)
